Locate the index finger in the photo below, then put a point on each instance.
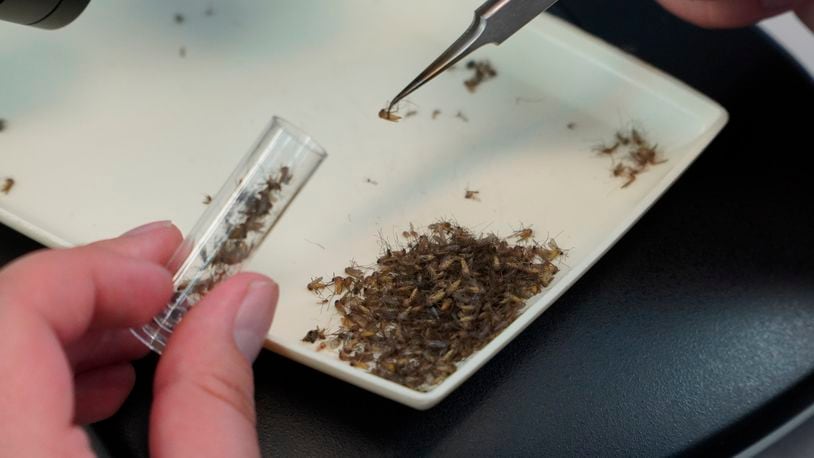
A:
(78, 289)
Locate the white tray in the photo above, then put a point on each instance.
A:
(108, 127)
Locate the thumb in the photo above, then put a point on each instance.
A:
(204, 391)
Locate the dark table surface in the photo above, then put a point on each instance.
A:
(694, 334)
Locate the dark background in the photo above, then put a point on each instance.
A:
(693, 335)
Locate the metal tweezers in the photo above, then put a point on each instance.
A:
(495, 21)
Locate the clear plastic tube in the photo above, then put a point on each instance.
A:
(236, 222)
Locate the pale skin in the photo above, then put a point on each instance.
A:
(737, 13)
(65, 352)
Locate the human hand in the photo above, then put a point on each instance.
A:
(65, 349)
(737, 13)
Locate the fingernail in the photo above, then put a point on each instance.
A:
(774, 5)
(253, 320)
(149, 227)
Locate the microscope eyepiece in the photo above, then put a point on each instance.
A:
(44, 14)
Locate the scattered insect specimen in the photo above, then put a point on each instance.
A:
(571, 125)
(341, 284)
(460, 115)
(631, 177)
(2, 124)
(523, 234)
(422, 309)
(410, 114)
(624, 171)
(314, 335)
(316, 285)
(182, 52)
(637, 138)
(411, 234)
(371, 181)
(646, 155)
(609, 149)
(388, 115)
(436, 113)
(207, 199)
(354, 272)
(7, 185)
(483, 72)
(179, 18)
(472, 195)
(640, 155)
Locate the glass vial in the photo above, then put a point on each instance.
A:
(236, 222)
